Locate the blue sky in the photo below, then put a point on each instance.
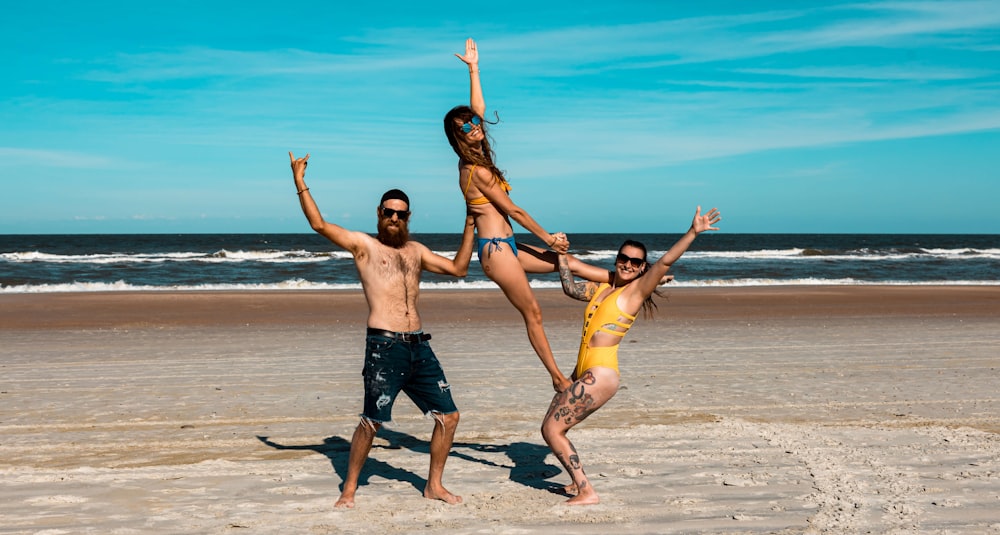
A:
(170, 117)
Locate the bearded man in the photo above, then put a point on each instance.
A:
(398, 356)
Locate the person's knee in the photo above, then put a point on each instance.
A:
(368, 427)
(532, 312)
(448, 421)
(550, 431)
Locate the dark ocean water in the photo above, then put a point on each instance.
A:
(50, 263)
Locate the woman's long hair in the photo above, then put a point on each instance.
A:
(483, 158)
(648, 305)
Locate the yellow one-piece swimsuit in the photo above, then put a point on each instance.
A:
(600, 316)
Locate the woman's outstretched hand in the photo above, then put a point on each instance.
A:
(471, 56)
(702, 223)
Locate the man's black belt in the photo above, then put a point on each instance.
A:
(406, 337)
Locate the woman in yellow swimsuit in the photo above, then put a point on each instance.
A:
(611, 310)
(486, 195)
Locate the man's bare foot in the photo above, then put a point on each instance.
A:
(588, 497)
(442, 494)
(346, 500)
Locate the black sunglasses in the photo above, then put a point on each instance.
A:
(636, 262)
(475, 121)
(403, 215)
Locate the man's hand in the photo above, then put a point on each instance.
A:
(298, 165)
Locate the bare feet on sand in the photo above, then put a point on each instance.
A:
(443, 495)
(578, 498)
(346, 500)
(584, 498)
(568, 490)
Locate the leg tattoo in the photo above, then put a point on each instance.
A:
(574, 404)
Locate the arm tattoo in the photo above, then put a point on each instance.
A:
(576, 290)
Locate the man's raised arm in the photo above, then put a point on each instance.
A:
(335, 233)
(458, 266)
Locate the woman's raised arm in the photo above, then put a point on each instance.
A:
(471, 59)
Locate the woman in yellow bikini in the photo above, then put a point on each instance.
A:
(610, 313)
(486, 195)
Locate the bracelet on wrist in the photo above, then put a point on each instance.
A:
(301, 191)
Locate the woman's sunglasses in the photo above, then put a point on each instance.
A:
(403, 215)
(636, 262)
(467, 127)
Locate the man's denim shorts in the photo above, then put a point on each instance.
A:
(392, 365)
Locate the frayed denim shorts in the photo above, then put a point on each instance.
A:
(393, 365)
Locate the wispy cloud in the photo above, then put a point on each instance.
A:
(724, 38)
(153, 120)
(866, 72)
(671, 130)
(16, 157)
(210, 63)
(906, 19)
(149, 217)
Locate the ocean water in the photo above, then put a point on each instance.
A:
(61, 263)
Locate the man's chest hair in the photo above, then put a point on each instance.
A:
(390, 262)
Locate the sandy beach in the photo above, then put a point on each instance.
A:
(819, 409)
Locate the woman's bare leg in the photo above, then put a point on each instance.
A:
(504, 269)
(568, 408)
(535, 260)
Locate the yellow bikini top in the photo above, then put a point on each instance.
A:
(601, 315)
(483, 200)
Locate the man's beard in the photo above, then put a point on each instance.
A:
(394, 237)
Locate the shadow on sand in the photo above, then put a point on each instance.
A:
(527, 461)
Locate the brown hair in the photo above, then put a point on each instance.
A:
(466, 153)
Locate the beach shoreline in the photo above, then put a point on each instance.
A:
(811, 409)
(226, 308)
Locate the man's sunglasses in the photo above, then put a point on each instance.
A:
(636, 262)
(403, 215)
(475, 121)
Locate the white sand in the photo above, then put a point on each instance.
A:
(813, 418)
